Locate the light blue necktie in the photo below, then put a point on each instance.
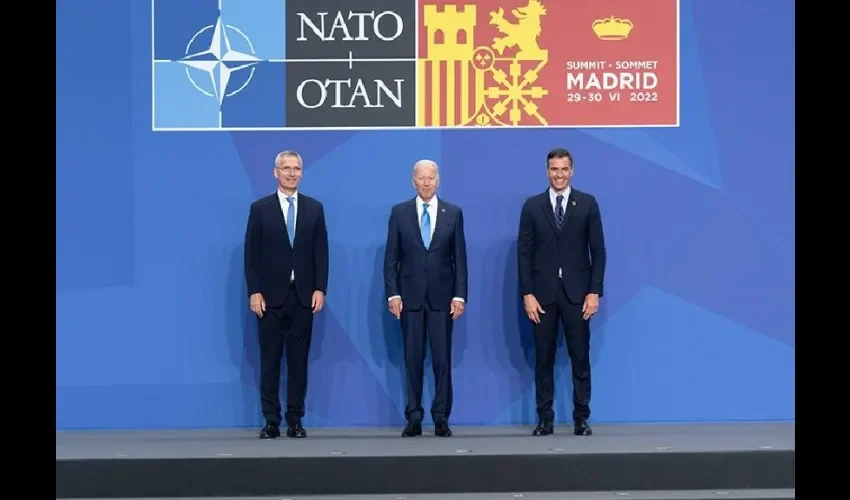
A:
(290, 220)
(426, 225)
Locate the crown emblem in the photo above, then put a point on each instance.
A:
(612, 28)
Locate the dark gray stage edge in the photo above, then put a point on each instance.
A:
(377, 461)
(617, 495)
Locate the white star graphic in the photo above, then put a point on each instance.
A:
(226, 61)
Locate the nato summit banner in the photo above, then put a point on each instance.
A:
(232, 65)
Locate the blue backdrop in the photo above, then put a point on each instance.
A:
(697, 324)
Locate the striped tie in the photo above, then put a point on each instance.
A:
(559, 210)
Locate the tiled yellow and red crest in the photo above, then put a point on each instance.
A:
(547, 63)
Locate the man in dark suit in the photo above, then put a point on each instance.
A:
(286, 270)
(425, 283)
(561, 252)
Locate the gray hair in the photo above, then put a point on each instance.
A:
(426, 163)
(289, 152)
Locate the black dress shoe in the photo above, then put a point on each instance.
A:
(296, 431)
(442, 429)
(412, 429)
(270, 431)
(582, 429)
(544, 428)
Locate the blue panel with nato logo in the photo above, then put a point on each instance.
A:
(219, 64)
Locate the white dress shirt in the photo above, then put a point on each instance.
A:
(553, 198)
(284, 206)
(432, 213)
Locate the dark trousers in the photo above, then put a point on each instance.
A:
(288, 329)
(577, 332)
(436, 326)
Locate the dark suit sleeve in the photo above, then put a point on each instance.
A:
(461, 272)
(525, 250)
(596, 242)
(391, 257)
(321, 258)
(253, 246)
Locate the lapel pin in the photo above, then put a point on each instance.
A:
(442, 210)
(574, 202)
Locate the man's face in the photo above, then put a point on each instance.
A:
(560, 171)
(288, 173)
(425, 180)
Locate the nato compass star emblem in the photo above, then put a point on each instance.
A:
(220, 61)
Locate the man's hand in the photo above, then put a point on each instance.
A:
(591, 305)
(395, 307)
(318, 301)
(258, 304)
(532, 308)
(456, 308)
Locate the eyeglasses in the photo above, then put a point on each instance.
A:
(289, 170)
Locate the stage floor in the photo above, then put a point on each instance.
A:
(383, 442)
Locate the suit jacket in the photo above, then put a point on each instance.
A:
(411, 270)
(270, 259)
(578, 249)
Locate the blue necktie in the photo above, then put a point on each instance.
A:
(559, 211)
(290, 220)
(426, 225)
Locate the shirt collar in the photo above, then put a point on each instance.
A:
(282, 196)
(420, 202)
